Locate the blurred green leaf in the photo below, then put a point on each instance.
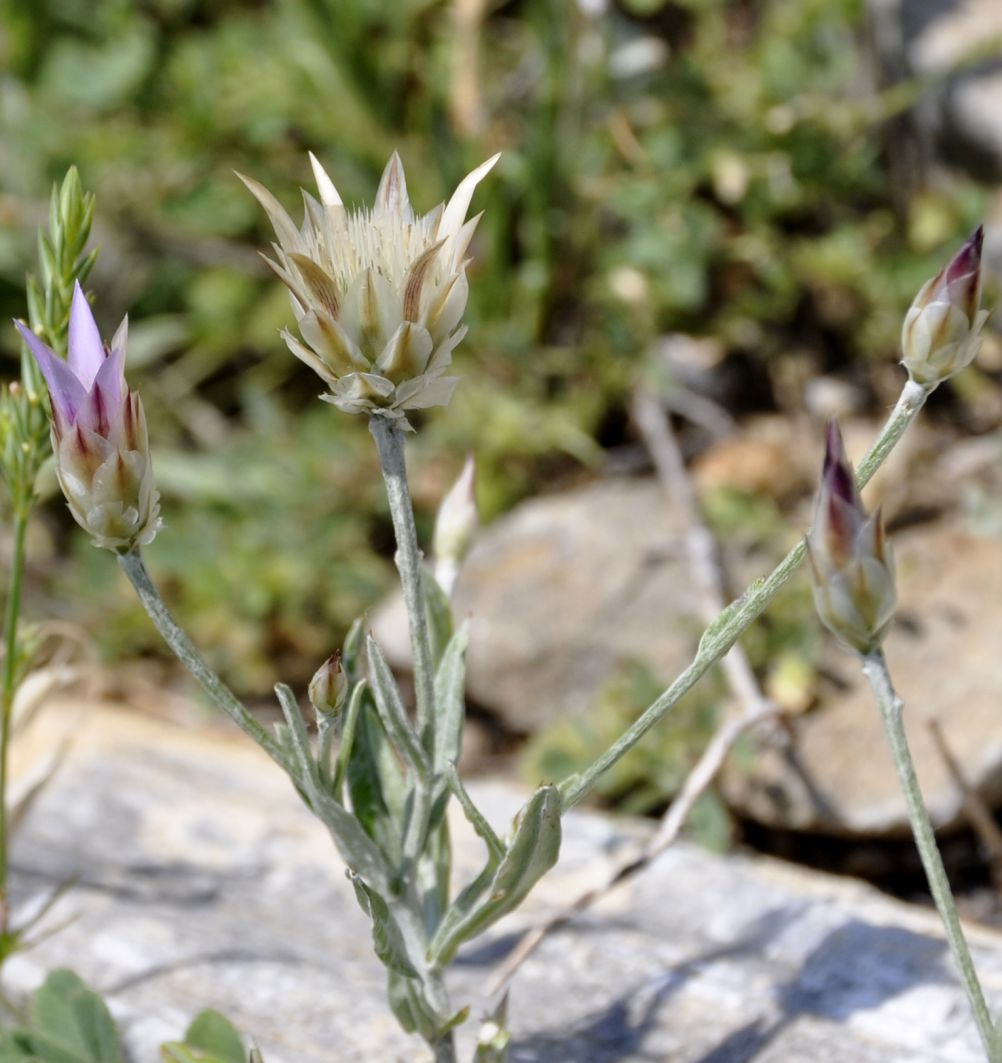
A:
(70, 1023)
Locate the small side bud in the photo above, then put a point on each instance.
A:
(942, 329)
(455, 526)
(851, 562)
(329, 686)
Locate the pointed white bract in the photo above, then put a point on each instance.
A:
(99, 433)
(379, 294)
(455, 526)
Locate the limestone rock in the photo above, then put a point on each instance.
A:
(561, 592)
(201, 881)
(943, 652)
(960, 114)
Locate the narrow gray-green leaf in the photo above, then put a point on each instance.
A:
(410, 1007)
(450, 702)
(348, 737)
(375, 782)
(388, 939)
(438, 609)
(353, 650)
(356, 847)
(532, 851)
(392, 712)
(298, 739)
(484, 830)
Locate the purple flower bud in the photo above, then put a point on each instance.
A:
(852, 566)
(942, 329)
(99, 433)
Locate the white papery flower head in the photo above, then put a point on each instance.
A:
(379, 293)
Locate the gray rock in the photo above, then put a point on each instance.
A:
(202, 881)
(837, 777)
(959, 117)
(561, 592)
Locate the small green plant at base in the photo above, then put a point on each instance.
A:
(69, 1023)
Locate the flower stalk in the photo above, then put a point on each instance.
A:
(891, 711)
(11, 651)
(183, 648)
(728, 627)
(389, 439)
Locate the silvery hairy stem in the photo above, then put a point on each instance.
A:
(723, 632)
(183, 648)
(891, 711)
(390, 444)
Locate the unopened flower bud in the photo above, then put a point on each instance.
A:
(852, 565)
(942, 329)
(99, 433)
(455, 526)
(329, 686)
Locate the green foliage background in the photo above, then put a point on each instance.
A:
(704, 166)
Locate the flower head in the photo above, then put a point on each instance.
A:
(379, 293)
(99, 433)
(852, 565)
(942, 329)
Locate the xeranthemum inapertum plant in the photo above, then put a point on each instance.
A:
(378, 293)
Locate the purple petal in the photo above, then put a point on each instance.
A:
(111, 380)
(836, 473)
(66, 392)
(120, 341)
(86, 350)
(968, 259)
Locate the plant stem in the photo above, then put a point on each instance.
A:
(184, 649)
(9, 688)
(723, 632)
(390, 445)
(891, 709)
(445, 1049)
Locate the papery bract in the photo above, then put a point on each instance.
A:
(942, 329)
(851, 562)
(379, 293)
(455, 526)
(99, 433)
(328, 688)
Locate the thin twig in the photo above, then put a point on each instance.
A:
(978, 813)
(465, 100)
(655, 428)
